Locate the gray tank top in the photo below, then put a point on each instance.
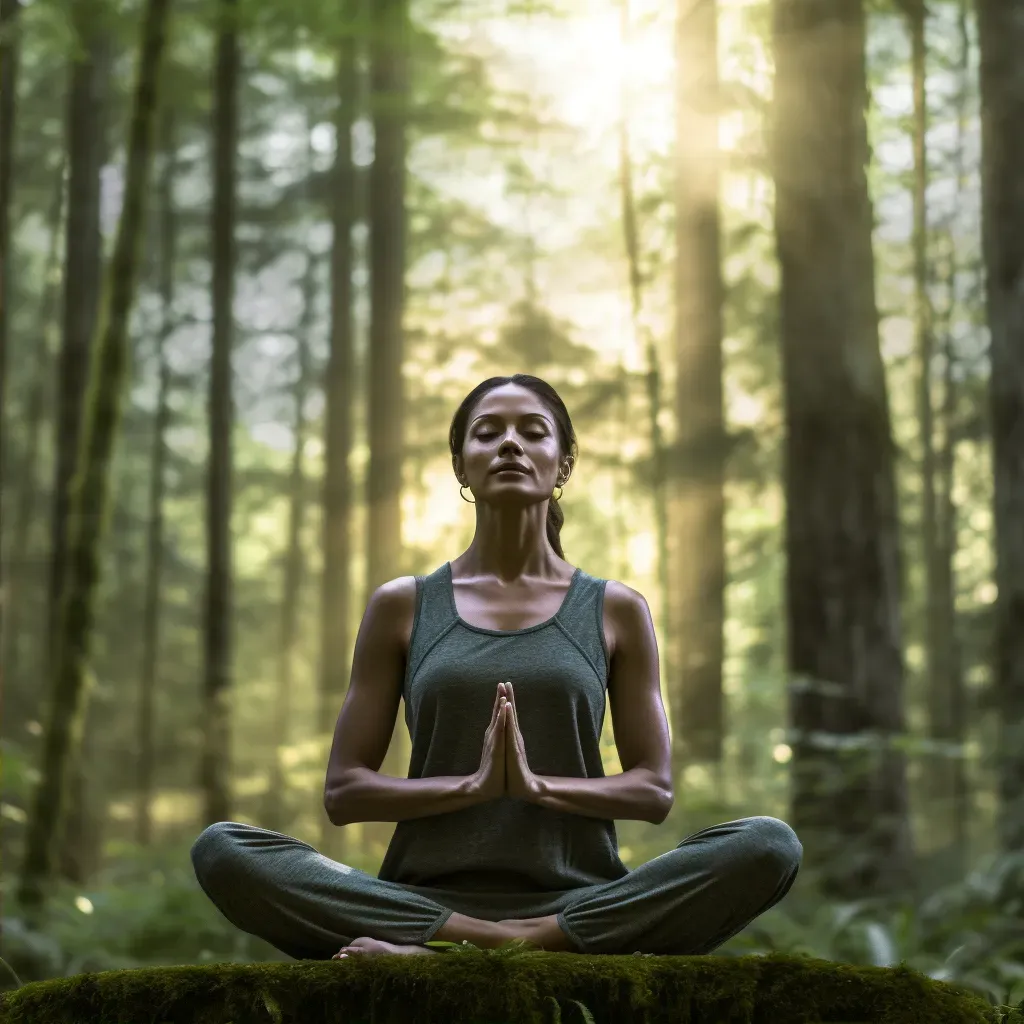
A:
(559, 669)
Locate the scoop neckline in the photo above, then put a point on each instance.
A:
(508, 632)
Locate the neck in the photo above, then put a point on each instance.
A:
(511, 543)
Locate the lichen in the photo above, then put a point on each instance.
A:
(529, 987)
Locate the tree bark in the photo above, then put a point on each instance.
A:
(217, 624)
(339, 394)
(1001, 37)
(158, 459)
(849, 790)
(698, 473)
(87, 113)
(70, 691)
(389, 100)
(83, 260)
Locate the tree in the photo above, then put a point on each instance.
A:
(69, 692)
(294, 556)
(155, 527)
(389, 99)
(849, 791)
(1001, 36)
(339, 391)
(641, 335)
(35, 410)
(217, 622)
(88, 102)
(9, 10)
(698, 473)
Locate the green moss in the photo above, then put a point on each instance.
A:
(476, 987)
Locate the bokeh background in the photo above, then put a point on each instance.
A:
(743, 240)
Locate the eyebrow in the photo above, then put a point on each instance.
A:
(526, 416)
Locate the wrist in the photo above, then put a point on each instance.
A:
(535, 789)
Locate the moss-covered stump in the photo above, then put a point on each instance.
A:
(478, 988)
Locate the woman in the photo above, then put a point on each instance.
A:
(506, 821)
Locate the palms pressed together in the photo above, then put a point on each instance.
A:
(521, 784)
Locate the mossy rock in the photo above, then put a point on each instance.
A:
(476, 987)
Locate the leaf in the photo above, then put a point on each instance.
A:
(272, 1007)
(588, 1017)
(556, 1012)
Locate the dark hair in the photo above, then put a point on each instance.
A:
(566, 436)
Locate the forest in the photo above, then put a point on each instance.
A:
(770, 253)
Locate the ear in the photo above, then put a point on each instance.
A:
(567, 465)
(457, 467)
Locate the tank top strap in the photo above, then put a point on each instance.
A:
(582, 618)
(434, 617)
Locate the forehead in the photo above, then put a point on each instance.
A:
(510, 402)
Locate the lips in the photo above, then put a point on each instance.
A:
(510, 469)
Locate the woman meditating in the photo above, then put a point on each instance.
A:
(506, 821)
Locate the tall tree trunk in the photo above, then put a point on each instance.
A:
(24, 513)
(158, 459)
(947, 623)
(1001, 37)
(699, 474)
(936, 670)
(291, 590)
(389, 100)
(88, 103)
(339, 393)
(643, 336)
(86, 152)
(9, 11)
(218, 647)
(849, 790)
(69, 695)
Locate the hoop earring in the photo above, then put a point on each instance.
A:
(463, 497)
(559, 495)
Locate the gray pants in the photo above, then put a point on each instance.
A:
(685, 902)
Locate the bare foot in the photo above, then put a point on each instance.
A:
(366, 945)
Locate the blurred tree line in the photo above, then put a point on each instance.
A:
(252, 255)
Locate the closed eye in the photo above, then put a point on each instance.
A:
(491, 433)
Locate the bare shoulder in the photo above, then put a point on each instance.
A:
(625, 609)
(395, 603)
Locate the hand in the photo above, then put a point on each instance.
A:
(520, 782)
(490, 776)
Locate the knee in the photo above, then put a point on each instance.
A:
(772, 845)
(212, 849)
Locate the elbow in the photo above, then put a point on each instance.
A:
(335, 808)
(663, 805)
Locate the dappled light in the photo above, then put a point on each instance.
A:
(756, 266)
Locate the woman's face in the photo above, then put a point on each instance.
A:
(511, 424)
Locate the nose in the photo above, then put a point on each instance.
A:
(509, 441)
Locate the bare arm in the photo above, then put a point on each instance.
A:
(354, 789)
(631, 795)
(643, 791)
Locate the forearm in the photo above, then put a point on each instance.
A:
(633, 795)
(369, 796)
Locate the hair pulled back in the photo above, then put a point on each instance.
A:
(566, 436)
